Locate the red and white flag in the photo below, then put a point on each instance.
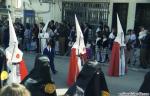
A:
(117, 61)
(78, 54)
(14, 56)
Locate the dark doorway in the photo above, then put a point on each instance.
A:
(29, 16)
(122, 10)
(142, 17)
(3, 4)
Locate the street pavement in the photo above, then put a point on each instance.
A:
(128, 83)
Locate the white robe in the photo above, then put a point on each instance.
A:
(43, 37)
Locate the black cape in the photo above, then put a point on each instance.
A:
(39, 78)
(145, 87)
(90, 82)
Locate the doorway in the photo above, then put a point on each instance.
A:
(122, 10)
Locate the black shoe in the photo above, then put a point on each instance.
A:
(55, 72)
(144, 67)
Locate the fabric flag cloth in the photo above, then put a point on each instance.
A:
(78, 55)
(14, 56)
(90, 82)
(117, 62)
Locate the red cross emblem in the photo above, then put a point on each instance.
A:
(17, 56)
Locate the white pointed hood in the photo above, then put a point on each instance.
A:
(120, 33)
(79, 44)
(13, 53)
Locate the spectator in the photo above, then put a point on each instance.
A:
(52, 25)
(14, 90)
(106, 31)
(27, 37)
(130, 42)
(144, 42)
(35, 31)
(104, 50)
(100, 27)
(56, 37)
(71, 40)
(62, 37)
(89, 49)
(85, 33)
(98, 47)
(111, 38)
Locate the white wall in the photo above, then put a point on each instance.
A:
(47, 11)
(55, 11)
(44, 11)
(41, 10)
(131, 15)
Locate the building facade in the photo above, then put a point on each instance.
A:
(132, 13)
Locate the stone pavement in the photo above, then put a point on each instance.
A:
(128, 83)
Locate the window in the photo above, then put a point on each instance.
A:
(2, 3)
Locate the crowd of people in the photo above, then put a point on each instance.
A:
(98, 41)
(59, 40)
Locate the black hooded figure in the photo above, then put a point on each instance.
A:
(3, 67)
(90, 82)
(39, 81)
(145, 87)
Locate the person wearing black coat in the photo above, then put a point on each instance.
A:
(145, 87)
(39, 81)
(90, 82)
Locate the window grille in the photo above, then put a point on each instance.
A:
(87, 12)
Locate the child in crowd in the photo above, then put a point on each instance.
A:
(49, 51)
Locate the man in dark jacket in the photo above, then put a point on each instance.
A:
(145, 53)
